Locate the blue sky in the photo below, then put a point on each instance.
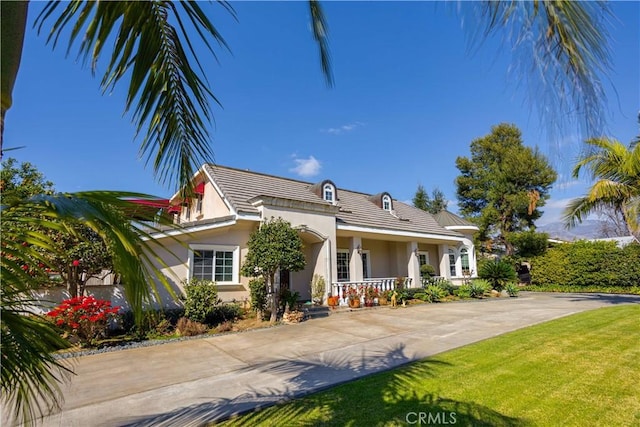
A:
(409, 98)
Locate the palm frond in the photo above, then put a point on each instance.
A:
(615, 168)
(565, 44)
(320, 34)
(577, 210)
(167, 94)
(30, 374)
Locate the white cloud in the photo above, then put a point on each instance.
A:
(553, 211)
(344, 128)
(306, 167)
(565, 182)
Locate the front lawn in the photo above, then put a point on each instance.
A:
(579, 370)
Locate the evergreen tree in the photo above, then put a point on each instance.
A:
(503, 184)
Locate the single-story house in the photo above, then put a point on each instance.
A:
(350, 238)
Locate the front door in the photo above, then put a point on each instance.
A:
(285, 277)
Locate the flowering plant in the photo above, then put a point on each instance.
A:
(354, 292)
(371, 292)
(84, 317)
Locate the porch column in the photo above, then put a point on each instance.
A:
(355, 260)
(443, 252)
(413, 265)
(473, 262)
(329, 267)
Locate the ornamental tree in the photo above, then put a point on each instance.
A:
(503, 184)
(77, 253)
(272, 247)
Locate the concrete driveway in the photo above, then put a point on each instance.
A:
(188, 383)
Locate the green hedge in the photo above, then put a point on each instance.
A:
(585, 264)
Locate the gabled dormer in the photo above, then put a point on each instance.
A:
(383, 201)
(326, 190)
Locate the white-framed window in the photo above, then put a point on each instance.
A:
(329, 193)
(452, 263)
(342, 261)
(464, 261)
(423, 258)
(219, 263)
(386, 202)
(187, 212)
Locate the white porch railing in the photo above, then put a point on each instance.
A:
(381, 284)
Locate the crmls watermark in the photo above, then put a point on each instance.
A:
(431, 418)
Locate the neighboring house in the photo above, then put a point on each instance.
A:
(349, 238)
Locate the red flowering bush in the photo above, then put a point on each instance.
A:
(84, 317)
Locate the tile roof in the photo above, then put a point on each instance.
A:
(240, 186)
(448, 219)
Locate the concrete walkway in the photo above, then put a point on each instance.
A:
(189, 383)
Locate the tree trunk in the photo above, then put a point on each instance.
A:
(13, 22)
(72, 282)
(274, 299)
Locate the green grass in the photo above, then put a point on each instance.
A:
(575, 371)
(635, 290)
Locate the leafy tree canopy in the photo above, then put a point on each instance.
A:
(275, 245)
(503, 184)
(272, 247)
(22, 181)
(528, 244)
(77, 252)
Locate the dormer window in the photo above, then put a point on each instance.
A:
(386, 202)
(329, 193)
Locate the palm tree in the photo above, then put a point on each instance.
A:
(615, 168)
(169, 95)
(29, 372)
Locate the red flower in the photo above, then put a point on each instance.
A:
(76, 263)
(25, 267)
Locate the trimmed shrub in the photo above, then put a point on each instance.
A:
(224, 313)
(427, 270)
(497, 273)
(201, 296)
(258, 293)
(587, 264)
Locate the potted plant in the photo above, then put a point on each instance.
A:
(353, 294)
(370, 295)
(384, 297)
(333, 300)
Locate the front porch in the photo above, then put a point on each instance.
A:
(361, 287)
